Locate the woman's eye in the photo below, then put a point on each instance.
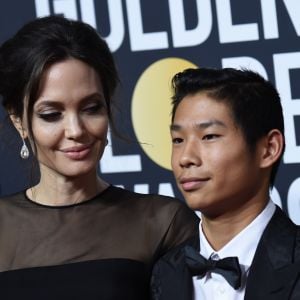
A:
(177, 140)
(50, 116)
(93, 109)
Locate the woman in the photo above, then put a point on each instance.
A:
(73, 235)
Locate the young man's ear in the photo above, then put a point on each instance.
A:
(272, 147)
(18, 124)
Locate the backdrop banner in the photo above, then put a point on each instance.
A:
(151, 41)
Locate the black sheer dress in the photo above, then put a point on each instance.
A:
(103, 248)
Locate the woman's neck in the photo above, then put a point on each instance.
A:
(56, 190)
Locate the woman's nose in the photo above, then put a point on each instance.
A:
(73, 127)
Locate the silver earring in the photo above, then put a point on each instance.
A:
(24, 150)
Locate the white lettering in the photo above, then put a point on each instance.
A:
(294, 201)
(269, 17)
(87, 10)
(120, 186)
(42, 8)
(166, 189)
(138, 39)
(291, 107)
(116, 19)
(66, 7)
(141, 188)
(293, 9)
(245, 62)
(196, 36)
(233, 33)
(119, 164)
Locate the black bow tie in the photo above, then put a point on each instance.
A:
(228, 267)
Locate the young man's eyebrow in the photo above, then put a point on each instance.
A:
(202, 125)
(175, 127)
(210, 123)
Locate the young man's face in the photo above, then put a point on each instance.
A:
(212, 164)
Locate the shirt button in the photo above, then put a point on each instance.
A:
(221, 289)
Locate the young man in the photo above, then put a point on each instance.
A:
(228, 138)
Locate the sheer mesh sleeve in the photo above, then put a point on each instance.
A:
(184, 225)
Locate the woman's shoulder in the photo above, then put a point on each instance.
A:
(154, 205)
(12, 198)
(11, 205)
(147, 199)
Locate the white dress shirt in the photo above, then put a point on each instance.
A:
(214, 286)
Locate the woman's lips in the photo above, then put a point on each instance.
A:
(77, 153)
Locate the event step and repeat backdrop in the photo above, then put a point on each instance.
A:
(153, 39)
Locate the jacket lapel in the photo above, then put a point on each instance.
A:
(176, 281)
(273, 272)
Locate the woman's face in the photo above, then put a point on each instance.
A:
(70, 121)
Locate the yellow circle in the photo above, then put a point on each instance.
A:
(151, 108)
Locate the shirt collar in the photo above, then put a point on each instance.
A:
(244, 244)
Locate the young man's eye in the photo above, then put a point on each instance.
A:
(50, 116)
(177, 140)
(208, 137)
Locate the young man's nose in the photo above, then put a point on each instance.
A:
(190, 155)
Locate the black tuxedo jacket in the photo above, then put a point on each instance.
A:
(273, 275)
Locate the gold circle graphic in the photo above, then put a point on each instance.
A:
(151, 108)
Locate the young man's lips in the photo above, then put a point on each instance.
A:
(189, 184)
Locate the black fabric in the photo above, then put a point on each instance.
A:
(103, 248)
(103, 279)
(228, 267)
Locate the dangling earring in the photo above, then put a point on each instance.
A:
(24, 150)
